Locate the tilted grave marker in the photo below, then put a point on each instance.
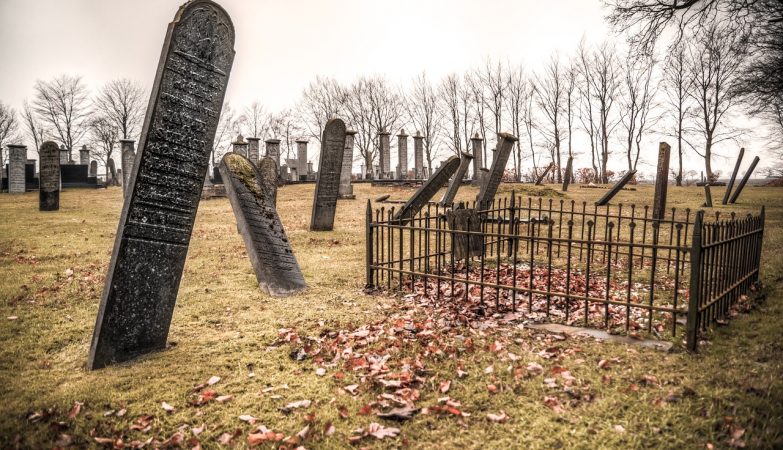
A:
(427, 190)
(490, 183)
(346, 189)
(733, 176)
(616, 188)
(661, 181)
(465, 245)
(252, 193)
(568, 172)
(166, 183)
(49, 177)
(744, 180)
(540, 179)
(327, 184)
(707, 196)
(456, 180)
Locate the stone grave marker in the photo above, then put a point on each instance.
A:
(707, 196)
(427, 190)
(733, 176)
(84, 155)
(462, 219)
(616, 188)
(93, 173)
(744, 180)
(252, 193)
(568, 172)
(540, 179)
(17, 159)
(328, 181)
(49, 177)
(111, 174)
(490, 184)
(661, 181)
(418, 156)
(253, 144)
(384, 156)
(157, 217)
(128, 156)
(456, 180)
(476, 143)
(346, 189)
(402, 155)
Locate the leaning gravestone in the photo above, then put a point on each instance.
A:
(465, 245)
(567, 175)
(661, 181)
(111, 174)
(456, 180)
(744, 180)
(328, 182)
(158, 214)
(252, 195)
(540, 179)
(427, 191)
(49, 177)
(616, 188)
(707, 196)
(733, 176)
(491, 182)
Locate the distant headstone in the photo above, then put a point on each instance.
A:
(273, 150)
(540, 179)
(328, 182)
(661, 181)
(84, 155)
(120, 178)
(49, 177)
(476, 144)
(267, 169)
(461, 219)
(301, 163)
(385, 154)
(93, 173)
(568, 172)
(240, 146)
(17, 159)
(425, 193)
(111, 174)
(707, 196)
(128, 155)
(252, 197)
(252, 148)
(733, 176)
(616, 188)
(744, 180)
(418, 155)
(490, 184)
(382, 198)
(63, 155)
(456, 180)
(157, 217)
(402, 155)
(346, 189)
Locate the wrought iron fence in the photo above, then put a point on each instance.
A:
(610, 266)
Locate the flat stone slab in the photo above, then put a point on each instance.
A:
(600, 335)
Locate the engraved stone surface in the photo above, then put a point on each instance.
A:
(346, 189)
(252, 196)
(489, 185)
(733, 176)
(301, 162)
(476, 144)
(252, 148)
(661, 181)
(428, 190)
(707, 195)
(744, 180)
(84, 155)
(328, 182)
(49, 177)
(157, 218)
(63, 155)
(402, 155)
(418, 155)
(385, 154)
(616, 188)
(462, 219)
(93, 173)
(240, 146)
(128, 157)
(17, 158)
(568, 172)
(456, 180)
(273, 150)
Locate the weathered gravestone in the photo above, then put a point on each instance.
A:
(328, 182)
(427, 190)
(568, 172)
(384, 155)
(128, 156)
(540, 179)
(49, 177)
(733, 176)
(17, 160)
(157, 217)
(252, 192)
(93, 173)
(490, 183)
(456, 180)
(707, 196)
(465, 245)
(744, 180)
(346, 189)
(661, 181)
(111, 174)
(616, 188)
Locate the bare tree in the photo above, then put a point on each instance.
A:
(321, 100)
(586, 112)
(105, 134)
(422, 108)
(604, 80)
(714, 62)
(517, 98)
(9, 127)
(530, 123)
(676, 84)
(226, 128)
(63, 104)
(550, 87)
(493, 79)
(570, 90)
(33, 126)
(449, 100)
(636, 104)
(285, 125)
(122, 102)
(255, 119)
(475, 102)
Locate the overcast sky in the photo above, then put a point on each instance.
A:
(282, 45)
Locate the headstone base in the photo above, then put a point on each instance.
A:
(49, 201)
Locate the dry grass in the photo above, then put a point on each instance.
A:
(223, 325)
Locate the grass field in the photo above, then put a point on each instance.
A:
(480, 385)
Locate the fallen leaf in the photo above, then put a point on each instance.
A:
(619, 429)
(75, 410)
(554, 404)
(320, 371)
(224, 398)
(294, 405)
(213, 380)
(166, 407)
(444, 386)
(351, 389)
(248, 418)
(497, 418)
(399, 414)
(534, 368)
(378, 431)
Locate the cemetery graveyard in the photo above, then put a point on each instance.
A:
(271, 295)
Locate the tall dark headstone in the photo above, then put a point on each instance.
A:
(568, 173)
(385, 154)
(418, 156)
(476, 143)
(49, 177)
(490, 183)
(707, 195)
(661, 181)
(616, 188)
(166, 183)
(328, 182)
(427, 190)
(733, 176)
(744, 180)
(465, 245)
(456, 180)
(252, 196)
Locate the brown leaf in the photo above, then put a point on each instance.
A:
(444, 386)
(166, 407)
(498, 418)
(75, 410)
(378, 431)
(294, 405)
(399, 414)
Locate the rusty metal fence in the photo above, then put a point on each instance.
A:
(610, 266)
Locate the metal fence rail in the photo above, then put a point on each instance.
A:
(611, 266)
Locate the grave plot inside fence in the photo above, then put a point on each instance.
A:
(557, 260)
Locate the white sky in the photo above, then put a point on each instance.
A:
(282, 45)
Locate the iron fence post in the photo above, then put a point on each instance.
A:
(694, 292)
(368, 240)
